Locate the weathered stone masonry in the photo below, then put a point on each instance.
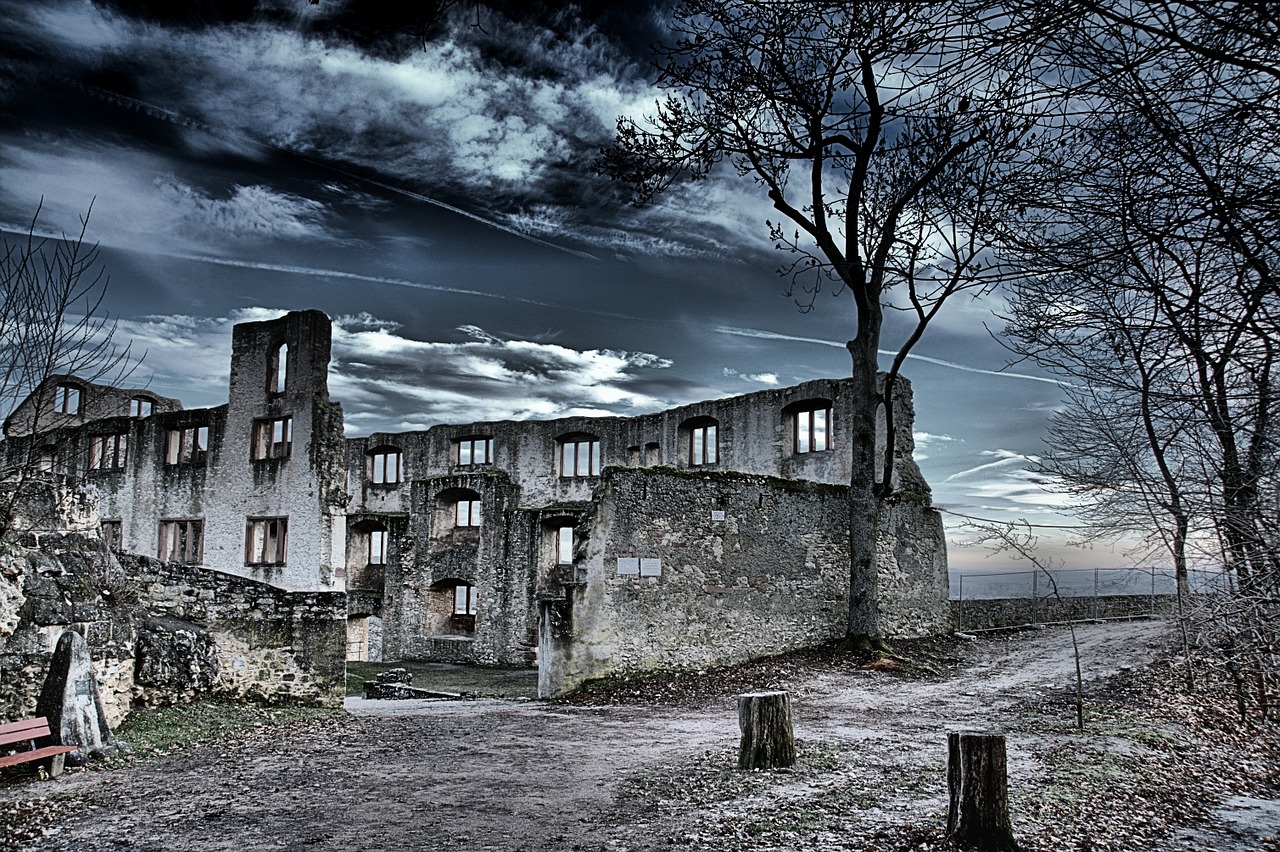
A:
(706, 533)
(163, 633)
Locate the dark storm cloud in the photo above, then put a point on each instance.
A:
(501, 119)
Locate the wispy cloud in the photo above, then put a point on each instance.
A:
(1004, 458)
(760, 378)
(380, 374)
(249, 211)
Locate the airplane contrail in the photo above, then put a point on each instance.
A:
(773, 335)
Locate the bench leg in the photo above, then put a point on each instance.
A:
(54, 765)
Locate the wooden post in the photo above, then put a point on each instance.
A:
(768, 741)
(976, 777)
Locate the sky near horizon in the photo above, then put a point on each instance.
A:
(432, 190)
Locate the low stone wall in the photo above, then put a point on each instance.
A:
(162, 633)
(980, 614)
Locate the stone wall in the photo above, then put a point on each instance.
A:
(163, 633)
(987, 614)
(911, 581)
(687, 571)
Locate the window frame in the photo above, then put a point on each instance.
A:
(468, 599)
(68, 399)
(564, 541)
(137, 402)
(378, 469)
(805, 428)
(111, 530)
(188, 449)
(184, 533)
(48, 459)
(379, 540)
(574, 462)
(265, 446)
(256, 556)
(471, 442)
(108, 451)
(467, 513)
(704, 443)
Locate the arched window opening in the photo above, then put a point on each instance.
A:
(453, 608)
(278, 369)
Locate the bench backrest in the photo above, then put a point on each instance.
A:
(24, 730)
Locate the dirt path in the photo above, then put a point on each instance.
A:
(515, 776)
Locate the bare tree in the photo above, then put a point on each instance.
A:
(1151, 285)
(52, 323)
(1018, 540)
(879, 132)
(1151, 258)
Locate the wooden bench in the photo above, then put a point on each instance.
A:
(28, 731)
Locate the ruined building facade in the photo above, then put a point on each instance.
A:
(696, 536)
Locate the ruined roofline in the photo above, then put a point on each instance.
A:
(98, 401)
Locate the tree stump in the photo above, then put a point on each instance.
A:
(768, 741)
(976, 777)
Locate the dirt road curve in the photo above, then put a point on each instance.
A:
(533, 776)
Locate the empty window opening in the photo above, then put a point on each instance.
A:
(580, 456)
(108, 452)
(652, 454)
(386, 466)
(141, 406)
(564, 545)
(265, 541)
(181, 540)
(188, 445)
(378, 547)
(463, 618)
(272, 439)
(813, 430)
(112, 532)
(703, 444)
(47, 460)
(464, 599)
(277, 370)
(472, 451)
(66, 399)
(467, 513)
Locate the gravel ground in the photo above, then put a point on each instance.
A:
(648, 765)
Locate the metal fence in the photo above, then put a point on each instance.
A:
(1008, 598)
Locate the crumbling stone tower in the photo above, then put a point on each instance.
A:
(280, 480)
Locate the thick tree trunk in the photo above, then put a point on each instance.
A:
(976, 778)
(864, 497)
(768, 741)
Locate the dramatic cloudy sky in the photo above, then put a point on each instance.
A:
(429, 185)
